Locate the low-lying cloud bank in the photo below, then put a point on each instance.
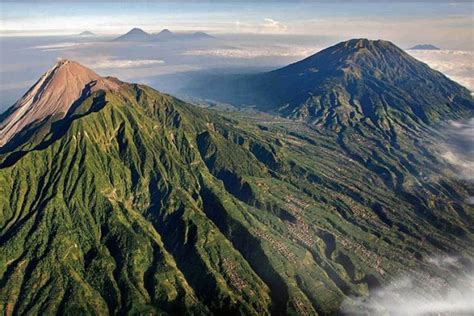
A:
(125, 63)
(60, 46)
(458, 150)
(419, 293)
(250, 52)
(456, 64)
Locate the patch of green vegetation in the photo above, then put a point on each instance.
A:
(139, 203)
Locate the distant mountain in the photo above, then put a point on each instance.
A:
(138, 35)
(165, 35)
(117, 199)
(135, 35)
(199, 35)
(86, 34)
(357, 81)
(424, 47)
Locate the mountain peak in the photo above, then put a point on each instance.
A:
(363, 46)
(357, 82)
(165, 34)
(424, 47)
(354, 56)
(137, 31)
(135, 34)
(67, 73)
(361, 75)
(360, 43)
(202, 35)
(86, 33)
(68, 63)
(52, 96)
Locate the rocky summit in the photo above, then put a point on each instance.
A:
(51, 97)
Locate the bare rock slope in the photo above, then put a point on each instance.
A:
(52, 95)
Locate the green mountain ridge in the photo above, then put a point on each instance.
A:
(139, 203)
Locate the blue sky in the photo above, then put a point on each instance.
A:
(447, 23)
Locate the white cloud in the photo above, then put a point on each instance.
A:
(250, 52)
(465, 165)
(16, 85)
(456, 64)
(273, 26)
(458, 150)
(126, 69)
(59, 46)
(110, 63)
(419, 293)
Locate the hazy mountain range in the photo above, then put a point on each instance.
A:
(138, 35)
(118, 199)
